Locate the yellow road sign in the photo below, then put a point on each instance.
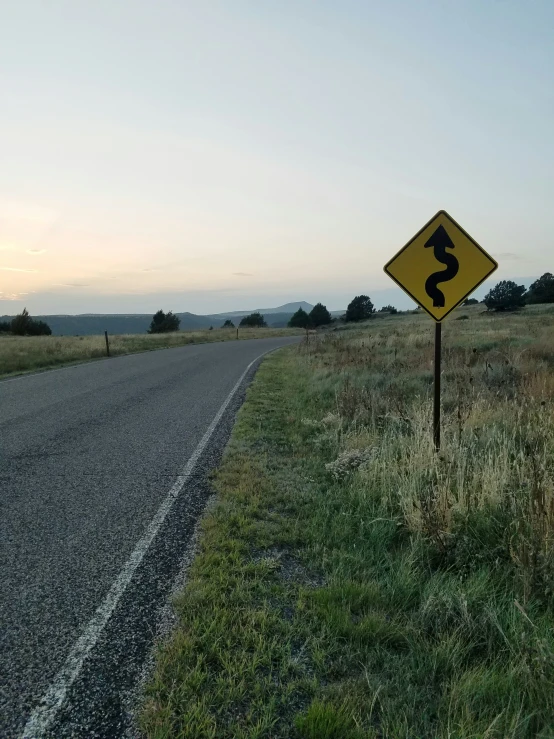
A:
(440, 266)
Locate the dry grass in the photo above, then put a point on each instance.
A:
(353, 584)
(498, 426)
(27, 353)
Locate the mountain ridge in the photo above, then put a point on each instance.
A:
(91, 324)
(286, 308)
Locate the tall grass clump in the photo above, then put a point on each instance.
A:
(489, 493)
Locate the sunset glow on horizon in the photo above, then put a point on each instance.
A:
(217, 156)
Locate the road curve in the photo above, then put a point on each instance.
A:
(88, 456)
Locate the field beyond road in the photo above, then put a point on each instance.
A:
(28, 353)
(351, 583)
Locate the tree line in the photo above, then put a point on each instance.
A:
(359, 309)
(507, 295)
(24, 325)
(165, 322)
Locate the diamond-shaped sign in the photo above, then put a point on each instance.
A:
(440, 266)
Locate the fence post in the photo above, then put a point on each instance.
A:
(107, 343)
(237, 332)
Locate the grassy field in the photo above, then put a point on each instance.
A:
(352, 583)
(28, 353)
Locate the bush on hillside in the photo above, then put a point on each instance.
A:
(319, 315)
(300, 319)
(24, 325)
(542, 290)
(254, 320)
(470, 301)
(5, 327)
(163, 323)
(506, 295)
(388, 309)
(359, 309)
(228, 324)
(40, 328)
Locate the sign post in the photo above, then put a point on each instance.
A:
(437, 387)
(415, 269)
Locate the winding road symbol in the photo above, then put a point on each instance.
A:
(418, 267)
(440, 241)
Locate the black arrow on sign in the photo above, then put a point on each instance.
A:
(440, 241)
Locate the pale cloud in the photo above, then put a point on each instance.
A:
(17, 269)
(243, 274)
(71, 284)
(7, 247)
(12, 296)
(35, 251)
(507, 255)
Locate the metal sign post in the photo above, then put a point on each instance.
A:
(415, 269)
(437, 397)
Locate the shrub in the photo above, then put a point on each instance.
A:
(319, 315)
(39, 328)
(5, 327)
(228, 324)
(388, 309)
(470, 301)
(163, 323)
(254, 320)
(300, 319)
(21, 324)
(506, 295)
(24, 325)
(349, 461)
(542, 290)
(359, 309)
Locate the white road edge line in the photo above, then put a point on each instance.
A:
(43, 715)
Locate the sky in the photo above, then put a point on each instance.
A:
(209, 156)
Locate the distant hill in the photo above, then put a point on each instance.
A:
(137, 323)
(89, 324)
(287, 308)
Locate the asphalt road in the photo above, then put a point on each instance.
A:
(88, 454)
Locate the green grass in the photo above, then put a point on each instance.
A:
(350, 582)
(20, 354)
